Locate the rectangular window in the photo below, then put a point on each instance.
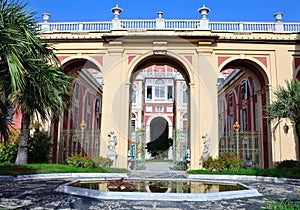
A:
(159, 109)
(230, 99)
(149, 92)
(133, 125)
(148, 108)
(244, 90)
(134, 97)
(77, 89)
(76, 117)
(88, 121)
(159, 92)
(230, 123)
(170, 92)
(98, 105)
(244, 120)
(222, 106)
(184, 97)
(89, 99)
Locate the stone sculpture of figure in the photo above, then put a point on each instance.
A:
(205, 153)
(112, 141)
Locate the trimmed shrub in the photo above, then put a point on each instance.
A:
(102, 162)
(287, 164)
(223, 163)
(81, 162)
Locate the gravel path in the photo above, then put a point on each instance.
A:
(41, 194)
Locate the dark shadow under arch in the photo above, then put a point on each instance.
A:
(251, 67)
(71, 67)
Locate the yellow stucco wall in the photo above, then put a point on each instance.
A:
(198, 52)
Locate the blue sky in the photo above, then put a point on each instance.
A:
(229, 10)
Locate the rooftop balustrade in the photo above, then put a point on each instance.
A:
(164, 24)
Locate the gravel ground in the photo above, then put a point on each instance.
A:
(41, 194)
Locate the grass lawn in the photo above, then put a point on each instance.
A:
(293, 173)
(15, 170)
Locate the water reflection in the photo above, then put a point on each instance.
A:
(166, 186)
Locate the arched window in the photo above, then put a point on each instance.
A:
(244, 90)
(77, 91)
(230, 99)
(89, 99)
(76, 105)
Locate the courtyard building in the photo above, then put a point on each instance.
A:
(190, 80)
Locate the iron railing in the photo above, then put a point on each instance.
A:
(249, 147)
(75, 142)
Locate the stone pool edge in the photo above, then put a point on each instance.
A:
(98, 194)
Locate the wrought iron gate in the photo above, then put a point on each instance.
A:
(248, 146)
(181, 152)
(75, 142)
(137, 150)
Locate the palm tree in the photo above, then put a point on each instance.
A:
(16, 31)
(29, 74)
(46, 93)
(287, 105)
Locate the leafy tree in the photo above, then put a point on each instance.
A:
(287, 105)
(159, 145)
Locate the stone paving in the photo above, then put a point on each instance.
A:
(40, 193)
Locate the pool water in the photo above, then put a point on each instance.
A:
(161, 186)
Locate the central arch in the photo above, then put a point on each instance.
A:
(159, 123)
(197, 72)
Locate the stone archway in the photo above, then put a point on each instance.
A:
(77, 131)
(251, 88)
(201, 80)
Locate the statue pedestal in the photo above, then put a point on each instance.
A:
(113, 156)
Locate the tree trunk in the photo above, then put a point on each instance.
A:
(22, 156)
